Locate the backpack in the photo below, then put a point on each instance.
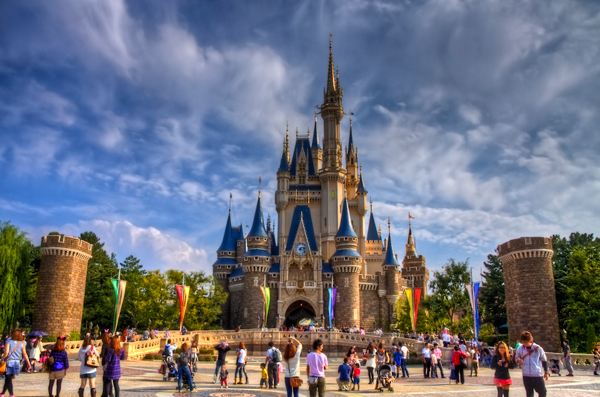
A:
(166, 350)
(276, 355)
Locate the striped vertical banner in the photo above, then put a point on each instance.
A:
(267, 297)
(409, 297)
(473, 290)
(332, 293)
(183, 292)
(416, 298)
(119, 287)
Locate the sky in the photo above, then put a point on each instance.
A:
(137, 119)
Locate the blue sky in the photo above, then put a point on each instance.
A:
(137, 119)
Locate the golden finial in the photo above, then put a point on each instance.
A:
(371, 205)
(296, 133)
(308, 132)
(259, 183)
(389, 226)
(296, 194)
(379, 230)
(308, 196)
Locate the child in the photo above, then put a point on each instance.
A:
(474, 361)
(434, 361)
(356, 379)
(224, 375)
(394, 369)
(264, 376)
(279, 370)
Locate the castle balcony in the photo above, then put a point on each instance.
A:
(301, 284)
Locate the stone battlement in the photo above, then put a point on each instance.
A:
(525, 244)
(62, 241)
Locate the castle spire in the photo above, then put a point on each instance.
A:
(411, 249)
(346, 229)
(372, 234)
(284, 164)
(331, 83)
(390, 256)
(315, 139)
(361, 184)
(228, 242)
(258, 224)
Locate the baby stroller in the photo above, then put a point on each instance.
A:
(169, 368)
(555, 368)
(384, 378)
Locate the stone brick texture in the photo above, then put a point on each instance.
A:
(369, 309)
(237, 310)
(347, 300)
(530, 293)
(253, 301)
(59, 300)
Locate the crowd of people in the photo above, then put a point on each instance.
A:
(384, 365)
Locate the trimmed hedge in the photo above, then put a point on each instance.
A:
(153, 356)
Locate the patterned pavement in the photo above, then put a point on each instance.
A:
(141, 379)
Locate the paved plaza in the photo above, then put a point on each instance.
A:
(141, 379)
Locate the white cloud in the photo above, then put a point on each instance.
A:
(470, 113)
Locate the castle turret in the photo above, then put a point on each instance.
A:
(316, 147)
(351, 166)
(63, 269)
(392, 275)
(225, 264)
(361, 199)
(256, 264)
(413, 266)
(283, 186)
(530, 304)
(347, 264)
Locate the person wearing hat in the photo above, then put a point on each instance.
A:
(222, 349)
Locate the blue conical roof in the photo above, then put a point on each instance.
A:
(361, 185)
(390, 257)
(372, 234)
(258, 224)
(345, 229)
(315, 139)
(283, 165)
(228, 243)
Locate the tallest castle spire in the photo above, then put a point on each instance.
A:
(331, 83)
(332, 112)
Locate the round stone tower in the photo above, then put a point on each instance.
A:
(346, 263)
(530, 294)
(59, 300)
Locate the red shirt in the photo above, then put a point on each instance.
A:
(356, 372)
(456, 357)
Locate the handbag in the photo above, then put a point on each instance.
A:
(3, 363)
(295, 382)
(463, 361)
(92, 359)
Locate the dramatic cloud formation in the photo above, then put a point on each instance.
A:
(136, 120)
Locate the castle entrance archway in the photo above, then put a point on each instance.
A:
(298, 311)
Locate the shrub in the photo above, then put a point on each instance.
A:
(50, 338)
(210, 351)
(74, 335)
(153, 356)
(204, 357)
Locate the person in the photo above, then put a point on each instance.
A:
(103, 353)
(291, 356)
(195, 356)
(316, 364)
(112, 368)
(86, 372)
(438, 354)
(240, 365)
(474, 361)
(35, 352)
(146, 335)
(426, 352)
(14, 352)
(381, 356)
(405, 355)
(264, 376)
(567, 357)
(343, 380)
(446, 339)
(434, 362)
(356, 377)
(370, 356)
(272, 358)
(397, 359)
(60, 364)
(596, 354)
(183, 330)
(534, 365)
(222, 350)
(501, 363)
(352, 359)
(183, 366)
(459, 369)
(170, 348)
(223, 376)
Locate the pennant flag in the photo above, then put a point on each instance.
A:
(416, 298)
(473, 290)
(266, 291)
(409, 297)
(119, 287)
(410, 216)
(183, 292)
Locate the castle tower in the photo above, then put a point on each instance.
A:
(351, 166)
(361, 199)
(225, 264)
(530, 294)
(392, 278)
(256, 264)
(413, 266)
(315, 147)
(332, 174)
(347, 265)
(283, 186)
(58, 309)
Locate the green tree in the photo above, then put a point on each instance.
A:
(16, 256)
(582, 288)
(492, 299)
(99, 301)
(448, 294)
(134, 274)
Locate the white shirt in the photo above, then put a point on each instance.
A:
(242, 358)
(426, 353)
(404, 351)
(292, 369)
(84, 369)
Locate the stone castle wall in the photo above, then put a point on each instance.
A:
(530, 293)
(63, 270)
(347, 305)
(369, 309)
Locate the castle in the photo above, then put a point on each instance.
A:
(320, 243)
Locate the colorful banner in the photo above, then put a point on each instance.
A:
(184, 293)
(119, 287)
(473, 290)
(332, 293)
(267, 297)
(413, 296)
